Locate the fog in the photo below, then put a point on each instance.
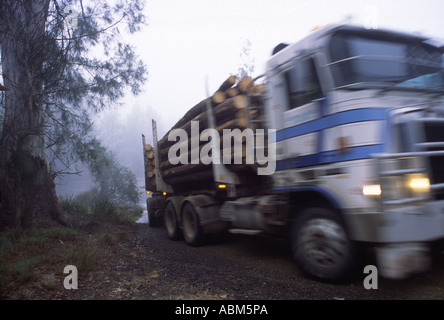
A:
(188, 45)
(120, 129)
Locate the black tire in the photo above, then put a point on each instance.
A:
(171, 222)
(192, 231)
(152, 220)
(321, 246)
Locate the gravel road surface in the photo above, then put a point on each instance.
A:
(237, 266)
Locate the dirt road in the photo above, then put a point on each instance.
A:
(259, 267)
(136, 262)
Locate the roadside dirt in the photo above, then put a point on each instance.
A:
(114, 262)
(133, 261)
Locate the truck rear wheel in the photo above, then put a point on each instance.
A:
(171, 223)
(192, 231)
(320, 245)
(153, 221)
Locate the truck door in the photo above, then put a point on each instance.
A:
(299, 135)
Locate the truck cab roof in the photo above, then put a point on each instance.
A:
(319, 38)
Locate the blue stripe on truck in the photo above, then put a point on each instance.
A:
(354, 153)
(333, 120)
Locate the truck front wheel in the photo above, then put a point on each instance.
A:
(320, 245)
(171, 223)
(192, 231)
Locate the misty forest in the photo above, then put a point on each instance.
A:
(59, 68)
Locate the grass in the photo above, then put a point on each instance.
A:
(35, 236)
(29, 256)
(21, 251)
(93, 205)
(85, 258)
(25, 268)
(5, 249)
(72, 205)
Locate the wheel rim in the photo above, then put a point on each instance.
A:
(323, 242)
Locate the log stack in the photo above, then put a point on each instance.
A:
(150, 164)
(230, 106)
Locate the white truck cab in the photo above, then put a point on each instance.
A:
(359, 116)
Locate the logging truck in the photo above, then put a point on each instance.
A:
(338, 147)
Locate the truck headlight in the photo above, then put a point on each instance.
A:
(415, 185)
(418, 183)
(402, 181)
(372, 190)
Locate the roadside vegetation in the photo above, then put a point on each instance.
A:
(30, 257)
(32, 260)
(93, 206)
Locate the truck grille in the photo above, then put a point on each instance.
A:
(434, 141)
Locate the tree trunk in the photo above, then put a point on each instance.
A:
(27, 188)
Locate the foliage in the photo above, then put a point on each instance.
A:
(95, 206)
(96, 66)
(41, 235)
(71, 205)
(85, 257)
(5, 249)
(114, 182)
(87, 66)
(24, 268)
(246, 67)
(12, 242)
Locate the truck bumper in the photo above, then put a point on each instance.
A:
(402, 236)
(398, 261)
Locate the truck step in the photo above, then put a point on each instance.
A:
(245, 231)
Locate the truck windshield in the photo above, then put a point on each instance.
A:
(364, 60)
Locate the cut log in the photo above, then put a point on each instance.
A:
(237, 102)
(244, 84)
(150, 154)
(230, 109)
(149, 171)
(181, 170)
(201, 106)
(229, 155)
(232, 92)
(222, 112)
(189, 179)
(192, 113)
(231, 81)
(257, 89)
(148, 147)
(239, 123)
(150, 162)
(218, 97)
